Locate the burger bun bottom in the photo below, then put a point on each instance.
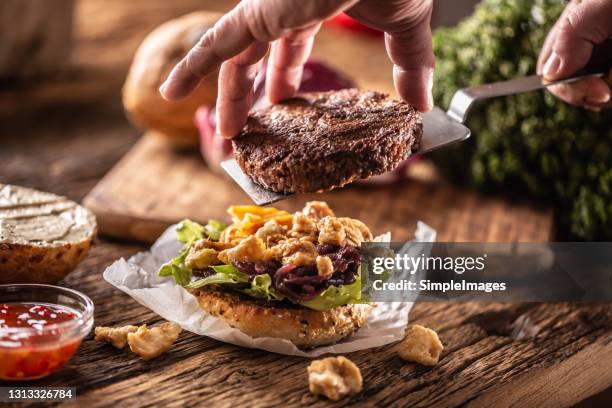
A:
(306, 328)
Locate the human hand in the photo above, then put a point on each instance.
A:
(240, 40)
(568, 48)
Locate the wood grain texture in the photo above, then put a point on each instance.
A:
(65, 134)
(36, 36)
(484, 362)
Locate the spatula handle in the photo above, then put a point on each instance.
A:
(599, 64)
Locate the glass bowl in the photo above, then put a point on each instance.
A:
(28, 353)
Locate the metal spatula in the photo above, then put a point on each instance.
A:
(440, 128)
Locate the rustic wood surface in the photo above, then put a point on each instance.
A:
(64, 136)
(35, 36)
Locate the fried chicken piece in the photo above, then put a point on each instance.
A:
(334, 377)
(356, 231)
(331, 232)
(250, 249)
(294, 251)
(325, 267)
(421, 345)
(150, 343)
(317, 210)
(117, 336)
(272, 233)
(304, 226)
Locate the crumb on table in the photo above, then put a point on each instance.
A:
(150, 343)
(421, 345)
(334, 377)
(117, 336)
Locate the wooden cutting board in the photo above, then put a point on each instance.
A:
(154, 186)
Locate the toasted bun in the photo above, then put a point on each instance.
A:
(153, 61)
(304, 327)
(43, 236)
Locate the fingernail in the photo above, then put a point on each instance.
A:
(162, 88)
(430, 103)
(553, 63)
(430, 100)
(596, 109)
(597, 100)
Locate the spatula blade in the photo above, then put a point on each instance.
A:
(257, 193)
(439, 130)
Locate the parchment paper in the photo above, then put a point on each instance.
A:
(138, 278)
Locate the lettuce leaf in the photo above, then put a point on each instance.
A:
(261, 288)
(224, 274)
(189, 231)
(176, 268)
(214, 229)
(261, 285)
(335, 296)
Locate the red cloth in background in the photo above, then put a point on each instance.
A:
(345, 21)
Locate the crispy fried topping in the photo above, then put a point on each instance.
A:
(249, 249)
(201, 259)
(268, 234)
(117, 336)
(293, 251)
(229, 234)
(334, 377)
(303, 226)
(331, 232)
(249, 218)
(272, 233)
(151, 343)
(356, 231)
(204, 253)
(421, 345)
(317, 210)
(325, 267)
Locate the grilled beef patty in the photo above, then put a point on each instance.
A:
(322, 140)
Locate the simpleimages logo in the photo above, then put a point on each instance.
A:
(489, 272)
(412, 264)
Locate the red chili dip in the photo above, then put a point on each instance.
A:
(33, 340)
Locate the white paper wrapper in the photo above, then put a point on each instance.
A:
(138, 278)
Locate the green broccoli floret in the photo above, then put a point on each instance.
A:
(531, 142)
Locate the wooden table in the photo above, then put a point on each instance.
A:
(483, 364)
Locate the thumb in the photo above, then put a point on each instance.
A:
(581, 25)
(406, 24)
